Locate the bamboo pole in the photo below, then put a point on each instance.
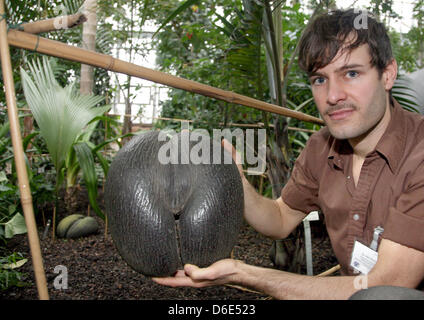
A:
(18, 151)
(61, 50)
(231, 124)
(329, 271)
(62, 22)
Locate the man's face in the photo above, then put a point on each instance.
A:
(351, 97)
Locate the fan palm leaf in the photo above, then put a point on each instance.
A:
(405, 93)
(61, 113)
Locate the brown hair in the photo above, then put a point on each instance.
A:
(333, 31)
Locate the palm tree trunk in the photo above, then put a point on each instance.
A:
(86, 84)
(89, 43)
(285, 254)
(127, 126)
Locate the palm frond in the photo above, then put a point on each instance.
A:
(86, 162)
(407, 97)
(61, 113)
(245, 52)
(186, 4)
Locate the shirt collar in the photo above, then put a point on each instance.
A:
(338, 149)
(390, 146)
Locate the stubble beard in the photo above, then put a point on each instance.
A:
(344, 132)
(357, 131)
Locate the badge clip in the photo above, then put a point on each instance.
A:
(377, 232)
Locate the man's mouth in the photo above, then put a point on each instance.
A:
(340, 113)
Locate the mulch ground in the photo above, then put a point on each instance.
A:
(97, 272)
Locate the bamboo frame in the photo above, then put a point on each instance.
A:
(24, 187)
(62, 22)
(231, 124)
(32, 42)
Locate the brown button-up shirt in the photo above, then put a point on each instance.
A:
(389, 193)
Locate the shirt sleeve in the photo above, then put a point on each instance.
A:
(301, 191)
(405, 221)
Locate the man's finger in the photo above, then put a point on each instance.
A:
(236, 156)
(198, 274)
(179, 281)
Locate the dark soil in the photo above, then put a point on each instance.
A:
(97, 272)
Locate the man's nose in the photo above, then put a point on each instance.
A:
(335, 93)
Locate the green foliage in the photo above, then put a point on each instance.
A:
(187, 4)
(232, 57)
(404, 49)
(42, 192)
(9, 202)
(64, 117)
(86, 161)
(41, 185)
(196, 46)
(11, 220)
(9, 276)
(61, 113)
(14, 226)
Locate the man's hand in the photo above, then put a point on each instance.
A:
(397, 265)
(220, 272)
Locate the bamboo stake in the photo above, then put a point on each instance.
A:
(61, 50)
(62, 22)
(54, 223)
(329, 271)
(106, 226)
(24, 187)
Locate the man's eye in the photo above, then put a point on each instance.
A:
(352, 74)
(318, 81)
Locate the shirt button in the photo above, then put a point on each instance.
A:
(356, 217)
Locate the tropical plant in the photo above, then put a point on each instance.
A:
(11, 219)
(66, 120)
(9, 276)
(404, 93)
(9, 203)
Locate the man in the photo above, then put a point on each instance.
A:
(364, 171)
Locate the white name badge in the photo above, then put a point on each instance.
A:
(363, 258)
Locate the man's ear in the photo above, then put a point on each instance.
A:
(390, 74)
